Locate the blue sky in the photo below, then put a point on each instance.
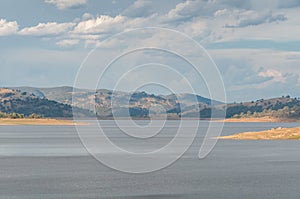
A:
(254, 43)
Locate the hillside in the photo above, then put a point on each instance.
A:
(137, 103)
(141, 104)
(282, 107)
(60, 94)
(16, 101)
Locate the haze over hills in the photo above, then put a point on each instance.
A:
(108, 104)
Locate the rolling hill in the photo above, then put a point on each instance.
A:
(108, 104)
(16, 101)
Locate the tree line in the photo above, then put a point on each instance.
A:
(19, 116)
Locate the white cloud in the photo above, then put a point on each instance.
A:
(276, 75)
(187, 10)
(87, 16)
(67, 42)
(84, 36)
(64, 4)
(246, 18)
(207, 21)
(8, 27)
(236, 25)
(140, 8)
(258, 73)
(194, 28)
(102, 24)
(45, 29)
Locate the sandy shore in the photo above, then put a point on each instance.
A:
(273, 134)
(260, 119)
(43, 121)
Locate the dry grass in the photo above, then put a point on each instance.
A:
(50, 122)
(260, 119)
(273, 134)
(4, 90)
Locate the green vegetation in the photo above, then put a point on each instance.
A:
(285, 112)
(34, 116)
(19, 116)
(295, 137)
(18, 104)
(138, 104)
(11, 115)
(284, 107)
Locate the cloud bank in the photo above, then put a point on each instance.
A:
(237, 29)
(47, 29)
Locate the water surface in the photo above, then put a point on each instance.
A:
(51, 162)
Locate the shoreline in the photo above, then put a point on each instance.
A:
(70, 122)
(259, 119)
(39, 122)
(272, 134)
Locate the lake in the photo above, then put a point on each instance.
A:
(51, 162)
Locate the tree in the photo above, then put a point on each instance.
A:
(34, 116)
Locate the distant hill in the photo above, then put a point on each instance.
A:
(281, 107)
(16, 101)
(60, 94)
(137, 103)
(107, 104)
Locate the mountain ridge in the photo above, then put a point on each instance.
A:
(108, 104)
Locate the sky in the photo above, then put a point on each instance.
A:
(254, 44)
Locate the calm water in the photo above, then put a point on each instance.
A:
(50, 162)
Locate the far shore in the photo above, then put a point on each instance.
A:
(259, 119)
(70, 122)
(40, 121)
(273, 134)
